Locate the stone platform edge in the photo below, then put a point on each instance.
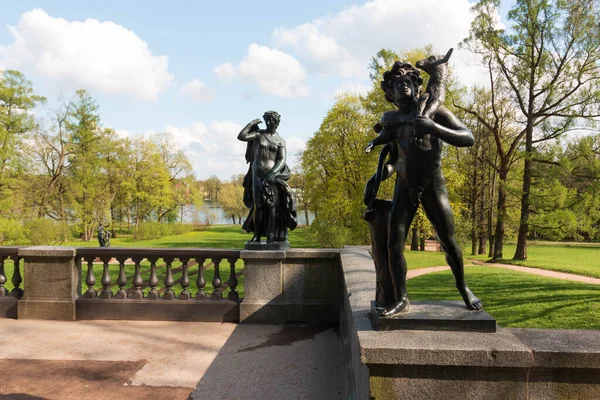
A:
(531, 363)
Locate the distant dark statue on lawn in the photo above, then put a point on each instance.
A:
(266, 192)
(103, 236)
(413, 136)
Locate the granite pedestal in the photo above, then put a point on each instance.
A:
(275, 246)
(436, 316)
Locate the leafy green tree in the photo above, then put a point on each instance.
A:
(336, 170)
(549, 59)
(298, 183)
(186, 194)
(231, 199)
(88, 166)
(490, 114)
(17, 100)
(147, 188)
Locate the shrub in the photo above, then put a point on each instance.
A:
(44, 232)
(147, 231)
(155, 230)
(12, 232)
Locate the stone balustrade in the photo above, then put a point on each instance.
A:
(303, 285)
(9, 259)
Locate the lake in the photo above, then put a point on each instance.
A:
(190, 213)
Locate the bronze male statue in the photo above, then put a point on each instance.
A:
(266, 192)
(419, 180)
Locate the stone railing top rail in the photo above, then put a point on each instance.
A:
(9, 251)
(125, 252)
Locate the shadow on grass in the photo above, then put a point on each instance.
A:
(517, 299)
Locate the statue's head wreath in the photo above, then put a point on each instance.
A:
(397, 70)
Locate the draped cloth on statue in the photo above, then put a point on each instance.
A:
(286, 216)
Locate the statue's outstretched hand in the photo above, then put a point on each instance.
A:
(369, 147)
(256, 121)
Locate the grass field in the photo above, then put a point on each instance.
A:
(514, 299)
(575, 258)
(214, 237)
(518, 299)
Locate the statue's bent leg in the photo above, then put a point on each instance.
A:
(399, 215)
(437, 207)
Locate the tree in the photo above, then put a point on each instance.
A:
(336, 170)
(491, 112)
(49, 181)
(147, 188)
(17, 100)
(178, 167)
(88, 166)
(298, 184)
(231, 200)
(211, 187)
(550, 62)
(186, 193)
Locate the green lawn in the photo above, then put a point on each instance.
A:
(215, 237)
(518, 299)
(575, 258)
(424, 259)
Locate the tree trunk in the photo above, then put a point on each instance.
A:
(521, 252)
(422, 242)
(482, 226)
(305, 216)
(233, 218)
(414, 243)
(490, 216)
(501, 218)
(474, 211)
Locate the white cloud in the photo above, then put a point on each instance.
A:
(198, 91)
(89, 54)
(343, 43)
(213, 149)
(274, 72)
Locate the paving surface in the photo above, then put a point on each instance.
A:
(542, 272)
(167, 360)
(534, 271)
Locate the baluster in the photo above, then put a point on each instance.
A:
(185, 280)
(122, 279)
(2, 277)
(153, 281)
(169, 282)
(216, 282)
(16, 279)
(200, 282)
(233, 282)
(90, 279)
(106, 280)
(138, 282)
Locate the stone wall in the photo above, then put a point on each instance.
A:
(508, 364)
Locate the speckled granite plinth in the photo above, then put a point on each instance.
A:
(435, 316)
(267, 246)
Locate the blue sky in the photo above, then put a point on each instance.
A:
(237, 60)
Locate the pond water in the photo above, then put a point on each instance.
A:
(191, 213)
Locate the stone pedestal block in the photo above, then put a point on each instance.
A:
(296, 285)
(263, 287)
(51, 283)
